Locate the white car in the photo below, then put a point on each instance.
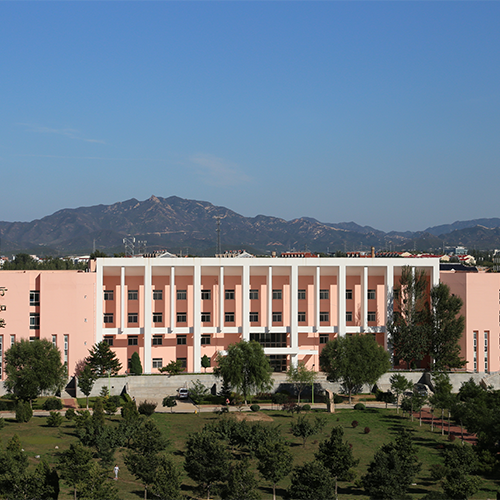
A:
(183, 393)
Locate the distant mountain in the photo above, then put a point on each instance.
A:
(448, 228)
(178, 224)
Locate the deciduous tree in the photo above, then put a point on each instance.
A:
(400, 384)
(311, 481)
(86, 380)
(275, 462)
(300, 377)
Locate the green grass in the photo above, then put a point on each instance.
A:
(38, 439)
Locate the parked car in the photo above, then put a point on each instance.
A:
(423, 390)
(182, 393)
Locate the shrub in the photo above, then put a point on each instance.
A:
(306, 407)
(359, 406)
(117, 400)
(104, 392)
(354, 423)
(255, 407)
(367, 430)
(451, 437)
(55, 419)
(350, 475)
(110, 407)
(438, 472)
(337, 399)
(70, 414)
(52, 404)
(2, 423)
(6, 405)
(279, 398)
(147, 408)
(23, 412)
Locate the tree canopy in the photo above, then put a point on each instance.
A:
(300, 377)
(102, 359)
(245, 367)
(355, 360)
(33, 367)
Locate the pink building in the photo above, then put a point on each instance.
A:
(168, 308)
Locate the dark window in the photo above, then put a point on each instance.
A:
(205, 340)
(157, 317)
(302, 317)
(157, 362)
(206, 294)
(229, 294)
(183, 362)
(324, 294)
(277, 294)
(371, 294)
(108, 340)
(181, 294)
(157, 340)
(132, 317)
(324, 338)
(157, 294)
(133, 295)
(34, 321)
(205, 317)
(229, 317)
(108, 317)
(108, 295)
(278, 363)
(181, 340)
(34, 298)
(181, 317)
(372, 316)
(266, 339)
(277, 317)
(132, 340)
(301, 295)
(324, 316)
(348, 316)
(348, 294)
(254, 317)
(254, 294)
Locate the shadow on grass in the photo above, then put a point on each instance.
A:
(350, 490)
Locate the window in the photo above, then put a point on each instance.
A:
(132, 317)
(229, 294)
(34, 298)
(301, 295)
(54, 340)
(348, 316)
(66, 349)
(132, 340)
(371, 294)
(12, 340)
(157, 317)
(324, 316)
(301, 317)
(183, 362)
(133, 295)
(324, 338)
(34, 321)
(254, 317)
(324, 294)
(157, 294)
(108, 340)
(269, 339)
(205, 317)
(181, 340)
(229, 317)
(348, 294)
(277, 318)
(157, 340)
(277, 294)
(206, 295)
(181, 317)
(108, 295)
(395, 294)
(254, 294)
(157, 362)
(181, 294)
(372, 316)
(108, 317)
(205, 340)
(277, 362)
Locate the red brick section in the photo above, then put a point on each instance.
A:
(69, 403)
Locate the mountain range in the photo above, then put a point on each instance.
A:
(190, 226)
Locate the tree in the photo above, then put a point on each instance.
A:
(97, 486)
(447, 329)
(460, 461)
(86, 381)
(173, 368)
(169, 402)
(399, 385)
(206, 460)
(310, 481)
(300, 377)
(393, 468)
(245, 367)
(103, 360)
(33, 368)
(355, 360)
(336, 455)
(135, 364)
(275, 462)
(167, 480)
(241, 483)
(303, 427)
(75, 466)
(205, 362)
(442, 397)
(409, 326)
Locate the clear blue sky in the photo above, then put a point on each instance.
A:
(383, 113)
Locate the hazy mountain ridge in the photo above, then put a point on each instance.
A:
(175, 223)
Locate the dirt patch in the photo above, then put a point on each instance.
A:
(252, 417)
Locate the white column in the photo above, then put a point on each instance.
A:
(435, 275)
(294, 311)
(341, 308)
(122, 299)
(317, 286)
(245, 302)
(148, 316)
(221, 299)
(269, 297)
(173, 297)
(197, 316)
(389, 300)
(99, 303)
(364, 299)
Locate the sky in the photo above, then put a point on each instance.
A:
(382, 113)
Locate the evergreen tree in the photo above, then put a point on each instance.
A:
(166, 480)
(86, 380)
(311, 481)
(275, 462)
(102, 359)
(135, 364)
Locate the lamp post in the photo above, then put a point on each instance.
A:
(312, 387)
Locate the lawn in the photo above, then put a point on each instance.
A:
(38, 439)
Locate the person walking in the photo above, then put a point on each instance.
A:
(116, 469)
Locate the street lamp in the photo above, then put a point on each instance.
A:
(312, 387)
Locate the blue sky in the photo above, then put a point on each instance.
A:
(382, 113)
